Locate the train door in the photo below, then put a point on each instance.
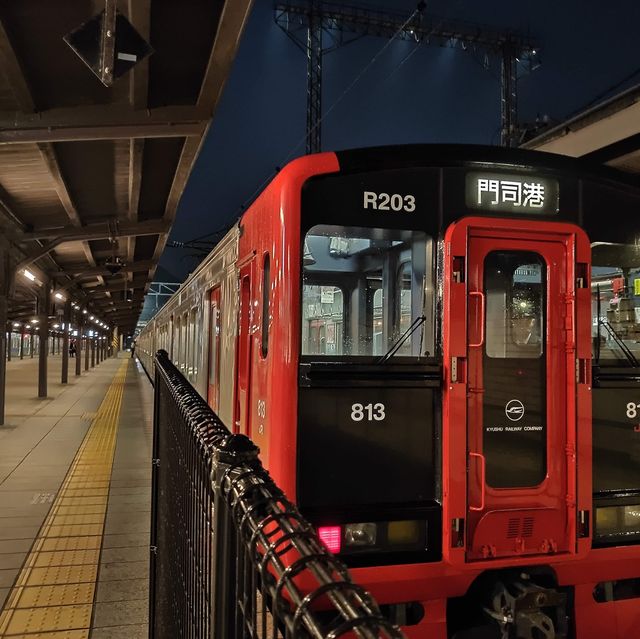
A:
(213, 385)
(521, 386)
(243, 368)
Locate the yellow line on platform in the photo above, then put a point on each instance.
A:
(55, 590)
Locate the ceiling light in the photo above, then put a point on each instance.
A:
(16, 325)
(84, 311)
(35, 321)
(29, 275)
(56, 326)
(59, 296)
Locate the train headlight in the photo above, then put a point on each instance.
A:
(360, 534)
(403, 533)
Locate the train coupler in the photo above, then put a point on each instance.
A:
(525, 610)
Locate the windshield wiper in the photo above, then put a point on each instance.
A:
(419, 321)
(626, 351)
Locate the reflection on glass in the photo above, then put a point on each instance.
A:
(615, 303)
(362, 288)
(515, 305)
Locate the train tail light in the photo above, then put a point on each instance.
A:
(331, 537)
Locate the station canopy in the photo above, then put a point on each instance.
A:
(605, 133)
(91, 174)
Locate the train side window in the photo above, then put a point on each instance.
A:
(214, 349)
(177, 343)
(266, 283)
(184, 355)
(193, 354)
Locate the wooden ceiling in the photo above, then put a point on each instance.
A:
(89, 174)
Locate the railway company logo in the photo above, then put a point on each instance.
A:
(514, 410)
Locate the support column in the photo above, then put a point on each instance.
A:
(21, 344)
(8, 333)
(65, 342)
(43, 324)
(80, 324)
(86, 353)
(509, 98)
(6, 280)
(314, 78)
(93, 352)
(4, 308)
(32, 341)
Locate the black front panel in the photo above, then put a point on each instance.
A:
(364, 442)
(616, 439)
(616, 456)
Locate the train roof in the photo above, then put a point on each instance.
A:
(451, 155)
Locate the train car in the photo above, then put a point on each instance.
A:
(436, 349)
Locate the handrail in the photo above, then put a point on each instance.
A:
(231, 556)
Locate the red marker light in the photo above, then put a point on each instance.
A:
(331, 537)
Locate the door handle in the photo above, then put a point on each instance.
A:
(480, 295)
(483, 477)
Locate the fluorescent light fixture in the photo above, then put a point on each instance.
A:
(29, 275)
(34, 321)
(16, 325)
(59, 296)
(56, 326)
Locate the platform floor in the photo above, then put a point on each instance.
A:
(75, 486)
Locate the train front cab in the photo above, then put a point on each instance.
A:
(443, 437)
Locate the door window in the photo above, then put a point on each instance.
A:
(514, 369)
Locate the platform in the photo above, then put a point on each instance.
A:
(75, 503)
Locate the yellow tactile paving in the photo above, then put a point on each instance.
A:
(50, 595)
(54, 592)
(71, 543)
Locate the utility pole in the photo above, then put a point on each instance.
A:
(305, 22)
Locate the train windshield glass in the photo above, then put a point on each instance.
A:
(362, 288)
(615, 304)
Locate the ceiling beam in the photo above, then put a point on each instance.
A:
(225, 46)
(74, 234)
(140, 18)
(100, 231)
(82, 272)
(101, 132)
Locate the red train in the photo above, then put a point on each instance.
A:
(436, 350)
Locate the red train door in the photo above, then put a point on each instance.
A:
(243, 368)
(521, 388)
(213, 385)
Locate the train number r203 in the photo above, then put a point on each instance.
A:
(389, 202)
(370, 412)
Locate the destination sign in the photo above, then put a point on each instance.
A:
(512, 193)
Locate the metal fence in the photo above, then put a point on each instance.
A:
(231, 558)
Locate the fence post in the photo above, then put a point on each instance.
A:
(231, 453)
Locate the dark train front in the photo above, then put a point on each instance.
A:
(468, 435)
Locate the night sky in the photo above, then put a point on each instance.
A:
(436, 95)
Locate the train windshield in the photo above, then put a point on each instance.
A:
(362, 291)
(615, 304)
